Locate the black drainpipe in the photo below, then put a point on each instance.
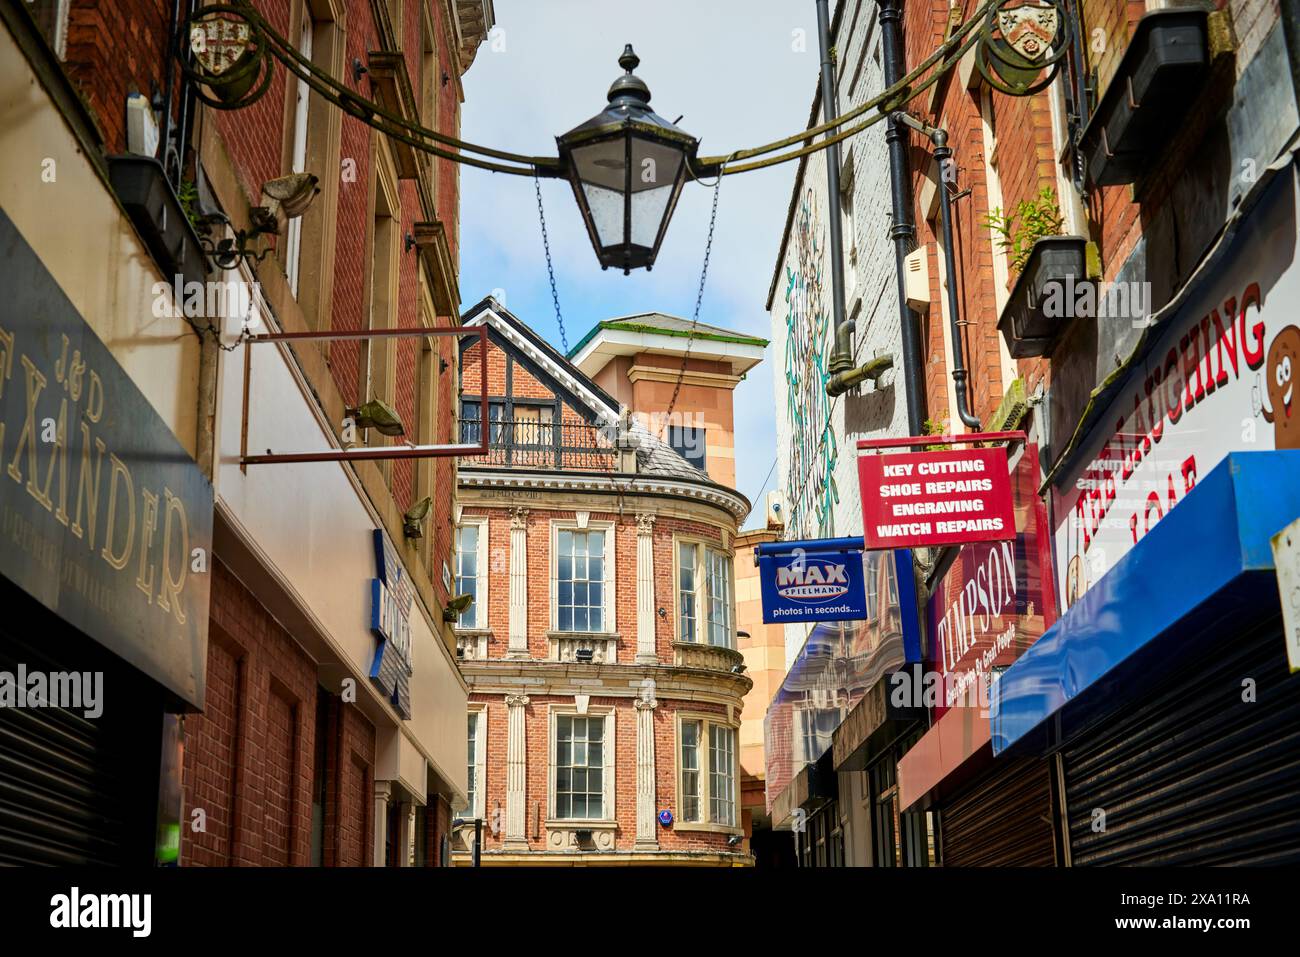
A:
(842, 351)
(902, 231)
(943, 156)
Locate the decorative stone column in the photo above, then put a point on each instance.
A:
(383, 792)
(518, 643)
(645, 589)
(516, 775)
(409, 840)
(646, 835)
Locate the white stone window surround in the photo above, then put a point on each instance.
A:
(480, 709)
(561, 833)
(704, 773)
(702, 547)
(482, 578)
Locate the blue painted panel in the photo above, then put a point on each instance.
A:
(819, 580)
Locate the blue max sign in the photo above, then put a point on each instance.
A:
(819, 580)
(391, 595)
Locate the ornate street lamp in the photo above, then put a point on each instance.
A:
(627, 166)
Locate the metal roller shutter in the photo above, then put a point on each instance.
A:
(1004, 819)
(75, 790)
(1193, 774)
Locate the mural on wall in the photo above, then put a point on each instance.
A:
(814, 449)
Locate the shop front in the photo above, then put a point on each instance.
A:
(989, 602)
(1163, 695)
(106, 524)
(838, 681)
(105, 517)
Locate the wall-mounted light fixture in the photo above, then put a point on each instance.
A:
(378, 415)
(456, 607)
(283, 198)
(413, 518)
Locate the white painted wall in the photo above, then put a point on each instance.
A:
(68, 215)
(873, 413)
(312, 530)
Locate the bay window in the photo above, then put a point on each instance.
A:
(722, 776)
(704, 595)
(706, 774)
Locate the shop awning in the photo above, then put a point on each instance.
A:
(1196, 579)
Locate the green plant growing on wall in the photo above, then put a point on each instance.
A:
(1031, 220)
(931, 427)
(188, 194)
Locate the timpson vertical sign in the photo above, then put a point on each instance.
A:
(934, 498)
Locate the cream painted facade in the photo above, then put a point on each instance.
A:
(66, 211)
(309, 558)
(299, 536)
(638, 360)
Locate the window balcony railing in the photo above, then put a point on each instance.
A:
(542, 445)
(689, 654)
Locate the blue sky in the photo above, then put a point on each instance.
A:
(739, 72)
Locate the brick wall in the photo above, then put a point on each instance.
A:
(1023, 157)
(537, 740)
(349, 800)
(248, 757)
(666, 532)
(114, 49)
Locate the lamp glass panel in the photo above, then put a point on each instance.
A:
(606, 207)
(655, 169)
(648, 207)
(602, 163)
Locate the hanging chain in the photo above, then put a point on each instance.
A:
(695, 316)
(564, 338)
(550, 269)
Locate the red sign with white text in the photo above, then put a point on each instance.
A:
(922, 499)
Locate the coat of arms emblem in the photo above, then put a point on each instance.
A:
(1029, 29)
(219, 43)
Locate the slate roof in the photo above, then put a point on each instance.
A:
(654, 457)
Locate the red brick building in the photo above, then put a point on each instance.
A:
(600, 650)
(300, 754)
(296, 756)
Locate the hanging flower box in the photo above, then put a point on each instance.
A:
(1041, 302)
(1152, 91)
(149, 200)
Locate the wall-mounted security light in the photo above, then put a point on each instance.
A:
(378, 415)
(413, 518)
(456, 607)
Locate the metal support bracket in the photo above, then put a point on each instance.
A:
(365, 453)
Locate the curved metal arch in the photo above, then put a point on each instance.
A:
(999, 49)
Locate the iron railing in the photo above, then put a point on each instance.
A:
(530, 444)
